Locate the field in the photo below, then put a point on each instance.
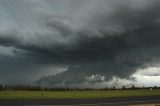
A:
(76, 94)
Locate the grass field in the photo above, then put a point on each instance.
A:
(75, 94)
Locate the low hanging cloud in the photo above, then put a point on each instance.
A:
(96, 40)
(147, 72)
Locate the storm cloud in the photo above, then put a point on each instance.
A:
(89, 41)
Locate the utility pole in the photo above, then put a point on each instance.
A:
(42, 91)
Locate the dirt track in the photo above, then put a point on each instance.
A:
(124, 101)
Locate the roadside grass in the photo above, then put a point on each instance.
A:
(76, 94)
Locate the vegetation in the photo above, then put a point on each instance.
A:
(76, 94)
(39, 88)
(36, 92)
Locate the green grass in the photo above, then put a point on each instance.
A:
(75, 94)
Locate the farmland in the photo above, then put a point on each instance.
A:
(77, 94)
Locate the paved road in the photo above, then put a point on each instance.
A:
(124, 101)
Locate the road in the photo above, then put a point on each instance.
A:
(123, 101)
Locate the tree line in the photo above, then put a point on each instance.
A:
(39, 88)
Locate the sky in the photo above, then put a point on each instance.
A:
(80, 43)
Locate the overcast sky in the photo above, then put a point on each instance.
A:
(84, 43)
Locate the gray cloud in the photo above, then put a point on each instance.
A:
(93, 38)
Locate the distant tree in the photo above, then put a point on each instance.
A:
(133, 87)
(123, 87)
(113, 87)
(1, 87)
(155, 87)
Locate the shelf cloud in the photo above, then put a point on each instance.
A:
(93, 40)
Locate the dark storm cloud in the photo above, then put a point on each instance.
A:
(115, 54)
(99, 38)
